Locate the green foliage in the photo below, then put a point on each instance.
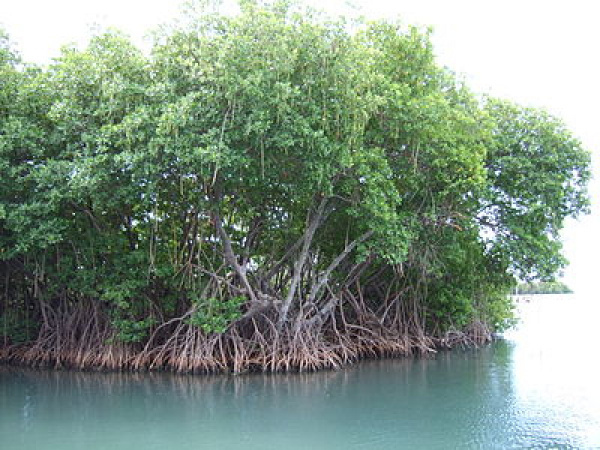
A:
(538, 173)
(549, 287)
(213, 315)
(499, 311)
(137, 182)
(130, 331)
(17, 329)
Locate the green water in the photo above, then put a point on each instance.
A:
(536, 389)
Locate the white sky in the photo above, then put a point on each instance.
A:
(537, 53)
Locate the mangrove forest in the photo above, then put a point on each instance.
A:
(555, 287)
(271, 190)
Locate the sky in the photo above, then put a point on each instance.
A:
(540, 53)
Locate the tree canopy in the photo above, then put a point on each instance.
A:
(274, 189)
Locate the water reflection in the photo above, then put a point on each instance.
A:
(513, 394)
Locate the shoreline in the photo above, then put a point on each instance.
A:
(228, 354)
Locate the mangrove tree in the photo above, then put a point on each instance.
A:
(270, 190)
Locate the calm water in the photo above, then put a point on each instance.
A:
(537, 389)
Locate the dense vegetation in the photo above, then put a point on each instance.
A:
(272, 190)
(548, 287)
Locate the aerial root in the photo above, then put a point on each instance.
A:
(83, 339)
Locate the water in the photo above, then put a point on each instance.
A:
(536, 389)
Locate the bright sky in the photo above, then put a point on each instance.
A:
(539, 53)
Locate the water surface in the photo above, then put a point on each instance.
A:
(536, 389)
